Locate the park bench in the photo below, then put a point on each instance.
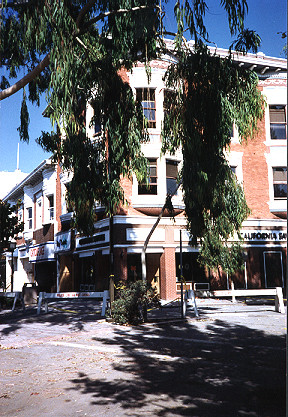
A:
(45, 297)
(17, 295)
(276, 292)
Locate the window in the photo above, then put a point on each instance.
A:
(280, 182)
(39, 212)
(20, 214)
(151, 188)
(29, 217)
(171, 176)
(146, 96)
(233, 169)
(278, 124)
(51, 206)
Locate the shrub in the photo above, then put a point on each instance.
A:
(132, 301)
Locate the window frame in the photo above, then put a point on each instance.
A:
(277, 182)
(174, 178)
(29, 210)
(146, 108)
(277, 123)
(51, 209)
(152, 187)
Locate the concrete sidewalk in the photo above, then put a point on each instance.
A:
(229, 362)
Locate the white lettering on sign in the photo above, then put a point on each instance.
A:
(263, 235)
(43, 252)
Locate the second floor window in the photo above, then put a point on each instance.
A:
(39, 212)
(151, 188)
(29, 217)
(278, 122)
(146, 96)
(171, 176)
(51, 206)
(280, 182)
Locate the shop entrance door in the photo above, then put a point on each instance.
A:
(273, 269)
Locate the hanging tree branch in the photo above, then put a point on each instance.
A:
(82, 29)
(26, 79)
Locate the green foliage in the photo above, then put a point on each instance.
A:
(132, 300)
(86, 45)
(9, 225)
(217, 247)
(24, 120)
(214, 95)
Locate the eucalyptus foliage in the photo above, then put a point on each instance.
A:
(75, 52)
(213, 95)
(9, 224)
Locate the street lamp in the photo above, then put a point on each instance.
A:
(11, 248)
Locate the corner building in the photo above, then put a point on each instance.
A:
(260, 165)
(81, 263)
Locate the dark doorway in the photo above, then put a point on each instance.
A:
(273, 268)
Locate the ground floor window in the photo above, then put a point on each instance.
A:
(273, 269)
(192, 271)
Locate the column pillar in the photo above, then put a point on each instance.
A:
(168, 274)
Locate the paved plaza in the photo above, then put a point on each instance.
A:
(228, 362)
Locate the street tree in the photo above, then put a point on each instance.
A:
(9, 224)
(76, 52)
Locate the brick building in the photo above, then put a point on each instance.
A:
(82, 262)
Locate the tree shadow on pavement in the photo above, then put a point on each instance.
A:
(72, 314)
(178, 370)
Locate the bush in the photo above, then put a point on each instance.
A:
(132, 301)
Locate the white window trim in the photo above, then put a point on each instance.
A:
(274, 161)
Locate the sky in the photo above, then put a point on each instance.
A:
(266, 17)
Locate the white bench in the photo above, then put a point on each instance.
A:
(17, 295)
(45, 297)
(276, 292)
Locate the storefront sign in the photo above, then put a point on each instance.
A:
(264, 235)
(98, 238)
(63, 242)
(42, 252)
(140, 234)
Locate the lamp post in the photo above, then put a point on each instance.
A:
(11, 248)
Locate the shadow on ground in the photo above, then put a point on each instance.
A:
(74, 314)
(178, 370)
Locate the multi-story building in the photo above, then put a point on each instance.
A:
(83, 261)
(39, 196)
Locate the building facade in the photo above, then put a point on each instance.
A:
(39, 199)
(55, 256)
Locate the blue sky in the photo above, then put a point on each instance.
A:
(265, 16)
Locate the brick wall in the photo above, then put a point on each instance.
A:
(255, 173)
(45, 234)
(168, 274)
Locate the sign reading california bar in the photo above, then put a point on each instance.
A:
(264, 235)
(42, 252)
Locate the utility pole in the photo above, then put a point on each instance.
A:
(181, 277)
